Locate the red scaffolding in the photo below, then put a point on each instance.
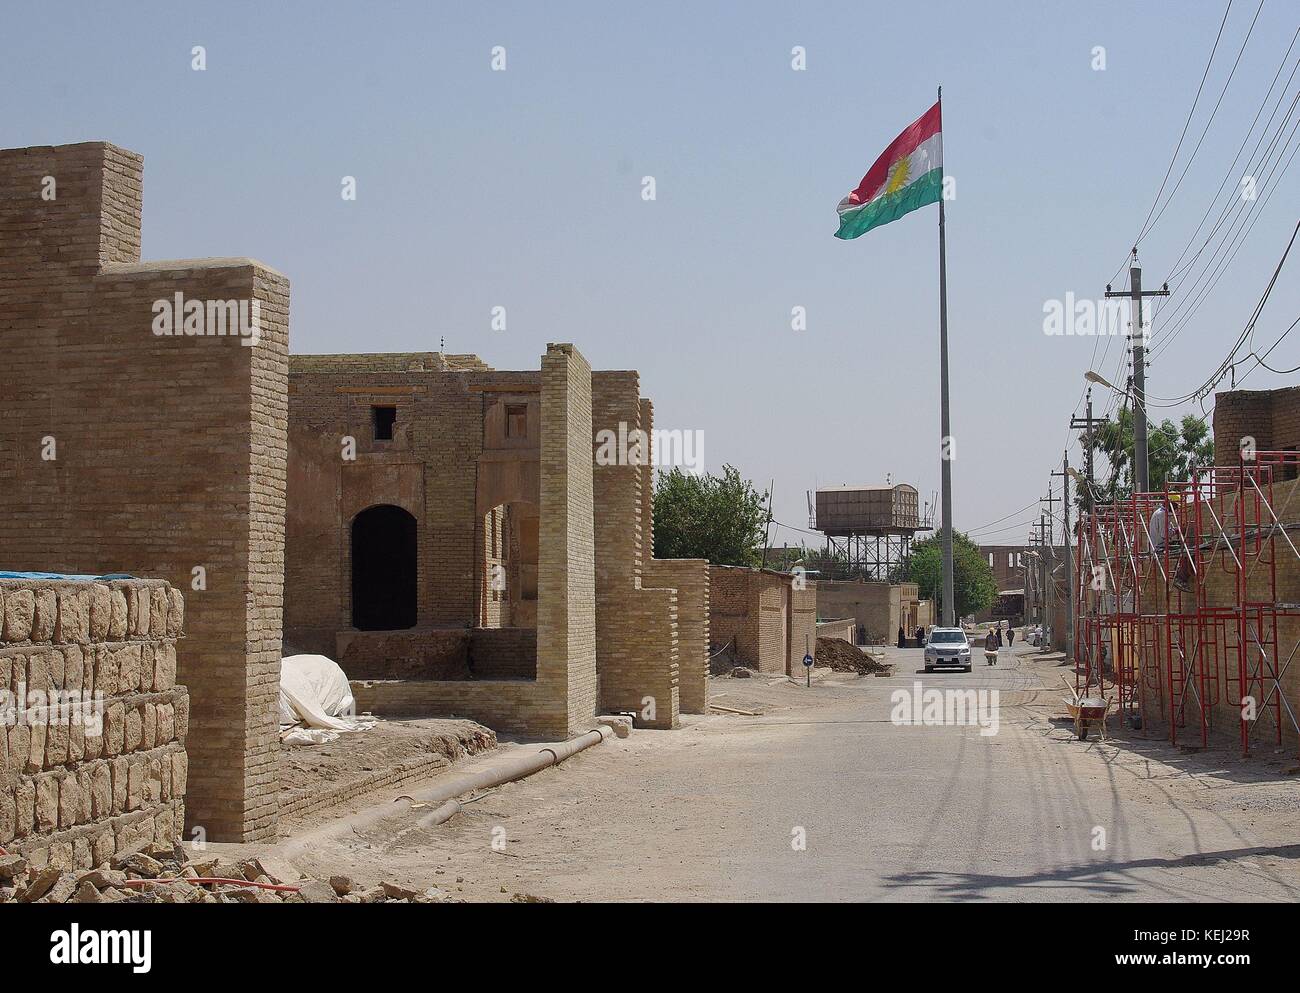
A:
(1178, 607)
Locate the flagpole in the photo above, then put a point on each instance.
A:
(949, 617)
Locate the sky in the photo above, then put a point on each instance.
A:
(524, 189)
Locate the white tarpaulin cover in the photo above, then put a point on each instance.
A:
(315, 701)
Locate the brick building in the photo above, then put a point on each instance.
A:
(878, 609)
(418, 551)
(471, 557)
(124, 450)
(1265, 420)
(770, 616)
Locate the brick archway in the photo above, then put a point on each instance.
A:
(384, 569)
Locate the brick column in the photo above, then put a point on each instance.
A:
(566, 597)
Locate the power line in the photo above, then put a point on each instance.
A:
(1186, 124)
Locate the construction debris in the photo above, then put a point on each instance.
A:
(159, 875)
(834, 653)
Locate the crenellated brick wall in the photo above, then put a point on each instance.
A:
(122, 450)
(92, 721)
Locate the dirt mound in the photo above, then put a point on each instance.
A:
(837, 654)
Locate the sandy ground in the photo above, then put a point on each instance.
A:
(717, 810)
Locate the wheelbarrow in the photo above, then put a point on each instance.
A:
(1087, 712)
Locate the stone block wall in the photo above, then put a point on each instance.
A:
(126, 451)
(92, 721)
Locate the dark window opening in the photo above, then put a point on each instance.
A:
(384, 418)
(383, 569)
(516, 420)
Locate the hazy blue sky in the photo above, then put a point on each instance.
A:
(522, 189)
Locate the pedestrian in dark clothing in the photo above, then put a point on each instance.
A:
(991, 648)
(1011, 636)
(920, 637)
(998, 629)
(902, 637)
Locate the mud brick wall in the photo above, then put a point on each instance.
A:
(845, 630)
(765, 614)
(92, 741)
(1270, 417)
(125, 451)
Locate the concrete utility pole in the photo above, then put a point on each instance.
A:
(1086, 424)
(1141, 482)
(1049, 565)
(1069, 555)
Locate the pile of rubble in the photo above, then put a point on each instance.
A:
(151, 875)
(837, 654)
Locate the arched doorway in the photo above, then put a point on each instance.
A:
(383, 569)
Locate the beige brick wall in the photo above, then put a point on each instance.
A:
(169, 451)
(92, 721)
(566, 569)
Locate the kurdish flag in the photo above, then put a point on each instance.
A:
(908, 174)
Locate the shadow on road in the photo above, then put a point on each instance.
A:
(1087, 876)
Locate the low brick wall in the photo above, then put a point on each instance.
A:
(844, 629)
(92, 725)
(417, 653)
(438, 654)
(503, 653)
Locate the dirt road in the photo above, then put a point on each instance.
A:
(823, 797)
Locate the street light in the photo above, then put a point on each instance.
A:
(1100, 380)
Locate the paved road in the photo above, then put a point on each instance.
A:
(885, 812)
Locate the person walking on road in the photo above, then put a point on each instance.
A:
(998, 630)
(990, 648)
(1011, 634)
(902, 637)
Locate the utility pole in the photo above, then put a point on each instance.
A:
(1136, 335)
(1087, 424)
(1049, 564)
(1069, 555)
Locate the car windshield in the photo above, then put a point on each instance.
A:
(947, 638)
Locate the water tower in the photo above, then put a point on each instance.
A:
(868, 529)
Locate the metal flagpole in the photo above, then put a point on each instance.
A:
(946, 448)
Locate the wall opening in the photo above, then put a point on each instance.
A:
(383, 419)
(383, 569)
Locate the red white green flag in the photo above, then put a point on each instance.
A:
(908, 174)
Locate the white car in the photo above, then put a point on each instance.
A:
(947, 647)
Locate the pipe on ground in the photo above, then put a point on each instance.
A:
(446, 790)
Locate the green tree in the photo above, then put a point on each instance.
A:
(973, 586)
(1174, 452)
(719, 518)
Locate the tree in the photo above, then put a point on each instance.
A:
(973, 586)
(719, 518)
(1174, 452)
